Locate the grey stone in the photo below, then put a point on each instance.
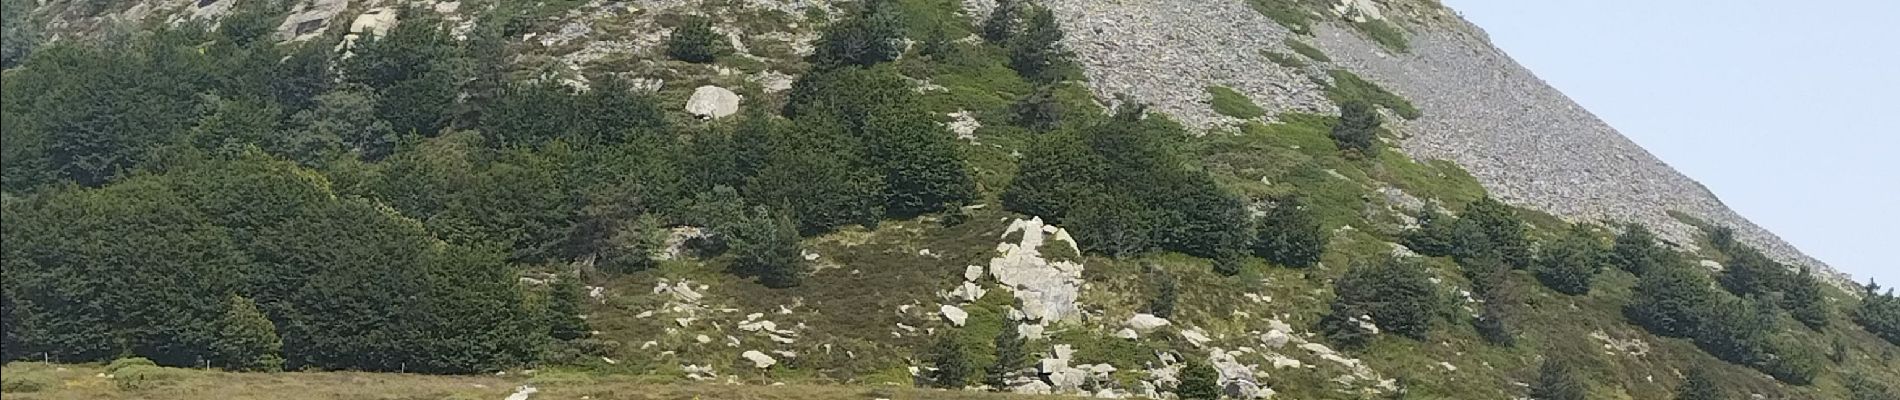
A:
(712, 102)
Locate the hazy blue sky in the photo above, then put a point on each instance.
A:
(1788, 110)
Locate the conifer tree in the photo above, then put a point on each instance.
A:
(1358, 130)
(1670, 300)
(766, 246)
(1290, 235)
(952, 366)
(1558, 380)
(1804, 301)
(1700, 385)
(1004, 22)
(1570, 264)
(1037, 53)
(1010, 357)
(564, 314)
(695, 41)
(1199, 381)
(246, 339)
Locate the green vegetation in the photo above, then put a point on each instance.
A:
(1307, 50)
(1199, 381)
(1290, 235)
(871, 34)
(1397, 296)
(1880, 313)
(1348, 87)
(246, 339)
(1232, 103)
(1283, 59)
(1570, 264)
(695, 41)
(1358, 130)
(1700, 385)
(1037, 53)
(1287, 13)
(1385, 34)
(1558, 380)
(950, 366)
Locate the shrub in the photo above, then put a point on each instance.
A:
(1804, 301)
(1397, 295)
(1166, 291)
(1750, 273)
(1232, 103)
(1287, 13)
(872, 34)
(1636, 251)
(564, 315)
(1199, 381)
(766, 246)
(1558, 380)
(1737, 330)
(1290, 235)
(1492, 229)
(1037, 53)
(115, 366)
(952, 365)
(1358, 130)
(1004, 22)
(24, 382)
(142, 377)
(1880, 315)
(695, 41)
(246, 339)
(1670, 300)
(1493, 327)
(1700, 385)
(1571, 263)
(1792, 363)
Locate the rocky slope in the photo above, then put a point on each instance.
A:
(1528, 143)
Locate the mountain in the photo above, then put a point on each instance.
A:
(1137, 198)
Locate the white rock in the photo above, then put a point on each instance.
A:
(972, 273)
(955, 315)
(522, 393)
(1145, 323)
(702, 339)
(712, 102)
(1195, 337)
(1031, 387)
(1127, 333)
(1029, 331)
(1447, 366)
(1274, 338)
(759, 360)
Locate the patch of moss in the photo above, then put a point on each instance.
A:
(1231, 103)
(1348, 86)
(1386, 34)
(1307, 50)
(1283, 59)
(1287, 13)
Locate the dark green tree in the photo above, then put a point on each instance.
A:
(1569, 264)
(1637, 251)
(1037, 53)
(1199, 218)
(528, 114)
(1166, 291)
(816, 175)
(246, 339)
(1803, 300)
(1880, 314)
(1199, 381)
(416, 70)
(695, 41)
(1750, 273)
(1433, 237)
(923, 171)
(1057, 170)
(1670, 300)
(342, 121)
(18, 33)
(1499, 232)
(565, 320)
(1358, 130)
(1397, 296)
(1558, 380)
(1004, 22)
(1737, 330)
(613, 112)
(1700, 385)
(1290, 235)
(766, 246)
(1493, 326)
(951, 366)
(1040, 111)
(1117, 226)
(1011, 357)
(872, 34)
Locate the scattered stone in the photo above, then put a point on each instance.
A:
(1145, 322)
(955, 315)
(522, 393)
(759, 360)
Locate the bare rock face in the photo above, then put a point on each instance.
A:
(712, 102)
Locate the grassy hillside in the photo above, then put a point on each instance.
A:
(451, 245)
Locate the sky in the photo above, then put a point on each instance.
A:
(1788, 110)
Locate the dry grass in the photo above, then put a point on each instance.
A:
(84, 382)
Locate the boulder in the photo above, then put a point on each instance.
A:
(1275, 338)
(759, 360)
(1195, 337)
(712, 102)
(955, 315)
(1127, 333)
(1145, 323)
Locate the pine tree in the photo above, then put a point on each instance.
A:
(1636, 250)
(1358, 130)
(1670, 300)
(1558, 380)
(1290, 235)
(1037, 53)
(1166, 290)
(564, 314)
(695, 41)
(1880, 315)
(952, 366)
(1397, 295)
(1433, 237)
(1750, 273)
(1493, 327)
(1199, 381)
(872, 34)
(1804, 301)
(1570, 264)
(1004, 22)
(1058, 170)
(766, 246)
(1700, 385)
(1492, 228)
(246, 339)
(1010, 357)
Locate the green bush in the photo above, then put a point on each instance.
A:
(142, 377)
(1670, 300)
(1307, 50)
(1700, 385)
(1558, 380)
(952, 366)
(1357, 133)
(1290, 235)
(1880, 314)
(695, 41)
(1636, 251)
(1570, 264)
(1199, 381)
(1397, 295)
(1231, 103)
(1287, 13)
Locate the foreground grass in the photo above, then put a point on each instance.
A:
(84, 381)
